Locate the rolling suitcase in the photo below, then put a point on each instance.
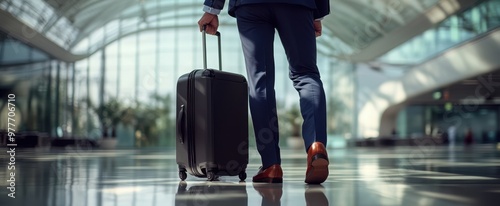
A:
(212, 122)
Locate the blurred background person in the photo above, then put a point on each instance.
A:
(451, 135)
(469, 137)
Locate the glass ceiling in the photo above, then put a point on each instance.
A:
(85, 26)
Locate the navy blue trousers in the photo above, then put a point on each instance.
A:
(257, 24)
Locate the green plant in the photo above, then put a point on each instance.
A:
(110, 115)
(153, 120)
(150, 119)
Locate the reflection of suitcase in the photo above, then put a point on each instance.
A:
(212, 123)
(212, 193)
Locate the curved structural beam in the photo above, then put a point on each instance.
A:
(18, 30)
(377, 115)
(89, 29)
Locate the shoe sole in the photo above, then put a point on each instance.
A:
(318, 172)
(270, 180)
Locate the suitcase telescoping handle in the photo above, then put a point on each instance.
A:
(204, 42)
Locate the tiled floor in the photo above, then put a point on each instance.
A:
(426, 175)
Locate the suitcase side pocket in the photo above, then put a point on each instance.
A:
(180, 124)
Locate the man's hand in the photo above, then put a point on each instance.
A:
(318, 28)
(211, 21)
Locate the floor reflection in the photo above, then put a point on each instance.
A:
(271, 193)
(315, 195)
(230, 194)
(211, 194)
(391, 176)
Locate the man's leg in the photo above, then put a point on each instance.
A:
(296, 30)
(257, 37)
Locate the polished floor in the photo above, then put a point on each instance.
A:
(425, 175)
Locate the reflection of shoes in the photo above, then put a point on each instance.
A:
(271, 193)
(315, 195)
(317, 164)
(272, 174)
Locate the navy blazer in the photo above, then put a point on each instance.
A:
(321, 7)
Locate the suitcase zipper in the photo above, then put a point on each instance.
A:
(191, 118)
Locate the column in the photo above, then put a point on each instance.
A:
(137, 63)
(102, 84)
(48, 106)
(119, 59)
(73, 88)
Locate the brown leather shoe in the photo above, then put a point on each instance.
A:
(272, 174)
(317, 164)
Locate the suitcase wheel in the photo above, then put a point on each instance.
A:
(242, 176)
(182, 175)
(211, 176)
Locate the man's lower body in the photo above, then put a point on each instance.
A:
(257, 24)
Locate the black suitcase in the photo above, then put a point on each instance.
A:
(212, 122)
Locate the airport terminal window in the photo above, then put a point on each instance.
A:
(14, 52)
(178, 52)
(358, 24)
(340, 89)
(456, 29)
(416, 121)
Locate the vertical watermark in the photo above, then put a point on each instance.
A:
(266, 134)
(11, 145)
(484, 91)
(367, 33)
